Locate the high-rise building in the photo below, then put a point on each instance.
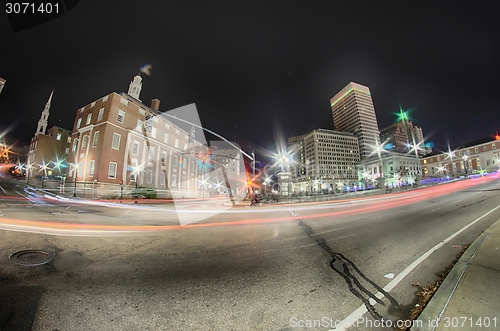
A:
(353, 111)
(401, 136)
(394, 137)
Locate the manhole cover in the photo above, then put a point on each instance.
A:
(32, 257)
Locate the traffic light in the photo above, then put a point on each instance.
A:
(204, 159)
(180, 162)
(497, 137)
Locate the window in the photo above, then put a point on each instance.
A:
(135, 148)
(139, 125)
(185, 146)
(58, 136)
(162, 178)
(132, 177)
(151, 153)
(153, 133)
(101, 113)
(69, 140)
(174, 180)
(78, 123)
(66, 151)
(96, 139)
(493, 146)
(89, 118)
(176, 143)
(112, 170)
(84, 142)
(183, 181)
(165, 138)
(175, 163)
(476, 150)
(74, 144)
(121, 116)
(91, 168)
(149, 176)
(116, 141)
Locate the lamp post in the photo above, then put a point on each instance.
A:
(75, 169)
(121, 190)
(29, 169)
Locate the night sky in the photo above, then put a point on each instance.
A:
(260, 70)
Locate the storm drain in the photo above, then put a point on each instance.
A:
(32, 257)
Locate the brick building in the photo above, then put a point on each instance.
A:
(474, 157)
(119, 140)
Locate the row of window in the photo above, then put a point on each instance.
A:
(461, 153)
(112, 169)
(120, 118)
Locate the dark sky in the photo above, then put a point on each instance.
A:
(257, 69)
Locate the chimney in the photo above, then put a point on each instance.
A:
(155, 104)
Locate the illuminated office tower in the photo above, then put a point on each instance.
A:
(353, 111)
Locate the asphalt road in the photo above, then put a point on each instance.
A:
(133, 267)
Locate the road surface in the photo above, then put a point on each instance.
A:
(284, 267)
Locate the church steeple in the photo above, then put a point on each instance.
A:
(135, 87)
(44, 119)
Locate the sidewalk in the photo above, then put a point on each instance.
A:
(469, 297)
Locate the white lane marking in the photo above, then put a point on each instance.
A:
(355, 315)
(3, 190)
(126, 213)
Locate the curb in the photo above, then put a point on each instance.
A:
(439, 301)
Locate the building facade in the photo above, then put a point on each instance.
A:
(391, 169)
(48, 153)
(228, 157)
(117, 140)
(327, 159)
(353, 111)
(296, 152)
(475, 157)
(394, 137)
